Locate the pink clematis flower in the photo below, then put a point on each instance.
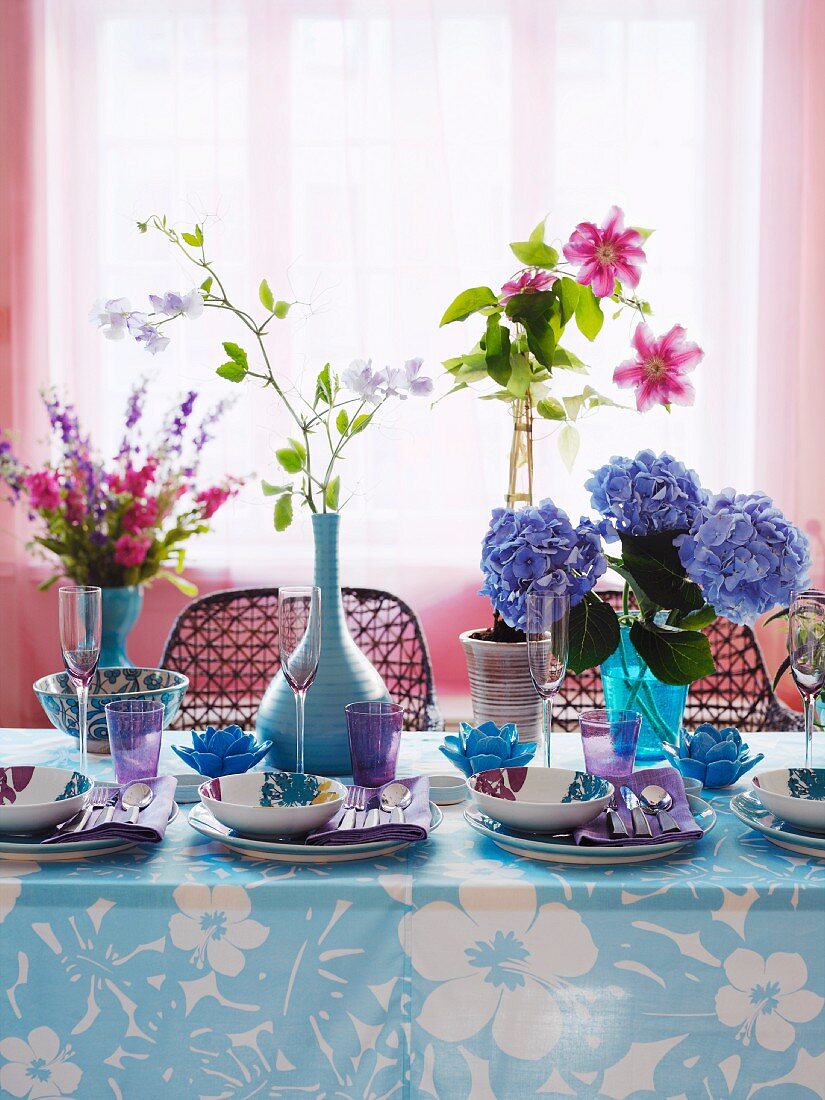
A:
(131, 551)
(44, 492)
(606, 254)
(529, 282)
(658, 371)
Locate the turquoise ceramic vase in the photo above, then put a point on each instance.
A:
(344, 676)
(121, 610)
(630, 685)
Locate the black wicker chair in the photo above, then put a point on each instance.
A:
(227, 644)
(738, 694)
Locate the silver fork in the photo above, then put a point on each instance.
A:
(355, 802)
(615, 825)
(97, 799)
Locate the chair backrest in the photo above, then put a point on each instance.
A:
(738, 694)
(227, 644)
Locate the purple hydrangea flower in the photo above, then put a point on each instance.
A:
(745, 555)
(538, 548)
(645, 494)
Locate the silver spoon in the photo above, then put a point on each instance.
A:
(137, 797)
(656, 801)
(394, 800)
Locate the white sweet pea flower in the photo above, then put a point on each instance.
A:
(173, 304)
(112, 317)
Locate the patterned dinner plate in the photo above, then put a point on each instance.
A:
(750, 810)
(286, 851)
(26, 848)
(563, 849)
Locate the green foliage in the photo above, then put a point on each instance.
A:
(323, 386)
(567, 360)
(332, 494)
(497, 353)
(569, 441)
(281, 309)
(194, 239)
(236, 354)
(359, 423)
(291, 458)
(342, 421)
(232, 372)
(535, 254)
(206, 285)
(674, 656)
(551, 409)
(589, 316)
(594, 633)
(654, 563)
(274, 490)
(569, 292)
(283, 512)
(469, 302)
(267, 298)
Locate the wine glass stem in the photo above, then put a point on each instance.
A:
(82, 722)
(299, 726)
(808, 707)
(547, 717)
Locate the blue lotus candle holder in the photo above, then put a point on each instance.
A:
(222, 752)
(480, 749)
(716, 757)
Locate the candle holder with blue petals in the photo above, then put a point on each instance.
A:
(222, 752)
(480, 749)
(716, 757)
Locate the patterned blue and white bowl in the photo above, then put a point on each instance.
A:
(797, 795)
(540, 800)
(59, 700)
(273, 803)
(36, 798)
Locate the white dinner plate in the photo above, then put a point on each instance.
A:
(750, 810)
(27, 848)
(284, 851)
(563, 849)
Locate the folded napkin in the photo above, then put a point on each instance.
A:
(596, 832)
(151, 823)
(416, 826)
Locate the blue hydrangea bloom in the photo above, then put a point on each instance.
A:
(645, 494)
(745, 555)
(538, 548)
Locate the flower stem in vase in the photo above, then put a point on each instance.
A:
(520, 479)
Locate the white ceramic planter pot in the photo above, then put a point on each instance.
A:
(500, 684)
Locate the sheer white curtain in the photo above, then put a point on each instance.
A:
(378, 157)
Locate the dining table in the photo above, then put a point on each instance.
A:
(450, 969)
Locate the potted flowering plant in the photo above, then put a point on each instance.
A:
(327, 420)
(122, 523)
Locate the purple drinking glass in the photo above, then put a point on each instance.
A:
(609, 738)
(135, 734)
(374, 739)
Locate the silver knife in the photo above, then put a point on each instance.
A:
(615, 826)
(373, 817)
(109, 811)
(641, 826)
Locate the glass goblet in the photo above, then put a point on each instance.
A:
(548, 646)
(299, 630)
(806, 650)
(80, 617)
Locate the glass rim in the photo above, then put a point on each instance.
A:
(374, 706)
(134, 706)
(549, 596)
(298, 590)
(70, 589)
(605, 716)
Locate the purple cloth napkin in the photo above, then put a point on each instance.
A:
(151, 823)
(595, 832)
(416, 827)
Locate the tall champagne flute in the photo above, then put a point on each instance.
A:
(80, 614)
(806, 649)
(548, 645)
(299, 628)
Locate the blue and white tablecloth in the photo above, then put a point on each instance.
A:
(451, 970)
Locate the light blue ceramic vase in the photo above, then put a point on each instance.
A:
(344, 676)
(121, 610)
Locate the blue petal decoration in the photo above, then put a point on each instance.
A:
(725, 750)
(485, 747)
(721, 773)
(218, 752)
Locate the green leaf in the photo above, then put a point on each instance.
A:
(645, 604)
(342, 421)
(589, 315)
(573, 405)
(780, 672)
(537, 236)
(535, 254)
(236, 354)
(551, 409)
(700, 619)
(331, 494)
(266, 296)
(298, 448)
(281, 309)
(595, 399)
(520, 376)
(569, 294)
(469, 302)
(323, 386)
(654, 561)
(283, 512)
(643, 233)
(453, 365)
(568, 361)
(569, 445)
(539, 313)
(674, 656)
(359, 423)
(274, 490)
(232, 372)
(594, 633)
(497, 354)
(182, 585)
(190, 239)
(206, 285)
(290, 460)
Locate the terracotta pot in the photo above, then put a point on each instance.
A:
(500, 684)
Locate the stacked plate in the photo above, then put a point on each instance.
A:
(787, 805)
(532, 812)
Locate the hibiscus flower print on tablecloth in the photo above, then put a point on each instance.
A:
(37, 1068)
(215, 926)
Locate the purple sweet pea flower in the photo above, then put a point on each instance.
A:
(419, 386)
(359, 378)
(146, 333)
(112, 317)
(173, 304)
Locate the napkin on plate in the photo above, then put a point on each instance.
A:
(596, 832)
(151, 823)
(416, 827)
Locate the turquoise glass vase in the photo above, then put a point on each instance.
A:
(629, 684)
(344, 676)
(121, 610)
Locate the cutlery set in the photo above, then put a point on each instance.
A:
(654, 802)
(393, 800)
(133, 798)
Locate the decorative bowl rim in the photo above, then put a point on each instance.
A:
(606, 791)
(791, 795)
(183, 682)
(249, 806)
(88, 785)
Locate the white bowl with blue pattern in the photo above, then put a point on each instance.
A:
(796, 795)
(273, 803)
(59, 699)
(35, 798)
(540, 800)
